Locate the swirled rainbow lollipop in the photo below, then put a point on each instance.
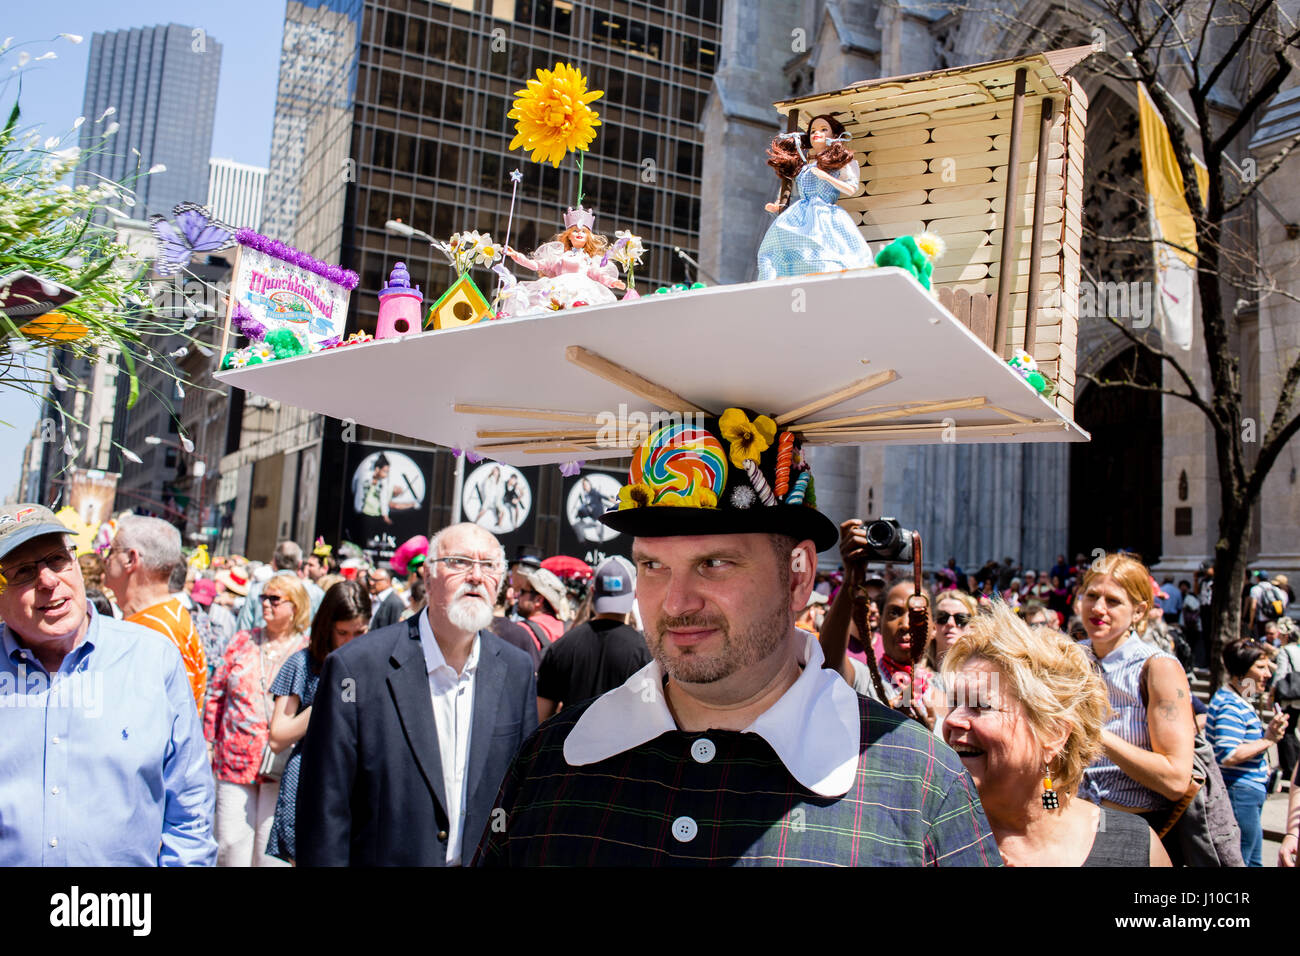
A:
(680, 460)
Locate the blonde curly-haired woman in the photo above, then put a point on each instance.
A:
(1026, 718)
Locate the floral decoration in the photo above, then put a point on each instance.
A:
(748, 439)
(636, 495)
(552, 116)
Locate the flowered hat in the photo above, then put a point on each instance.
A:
(736, 474)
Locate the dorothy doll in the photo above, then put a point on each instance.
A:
(813, 234)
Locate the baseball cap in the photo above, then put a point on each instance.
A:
(204, 591)
(614, 586)
(22, 522)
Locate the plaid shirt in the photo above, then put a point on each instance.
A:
(910, 803)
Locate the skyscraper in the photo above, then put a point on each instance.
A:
(161, 83)
(235, 192)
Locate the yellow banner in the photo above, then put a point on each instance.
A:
(1164, 180)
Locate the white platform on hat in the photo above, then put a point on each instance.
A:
(875, 356)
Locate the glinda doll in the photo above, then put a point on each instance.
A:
(570, 270)
(813, 234)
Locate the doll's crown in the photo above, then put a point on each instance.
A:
(579, 217)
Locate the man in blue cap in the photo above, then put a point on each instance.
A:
(107, 763)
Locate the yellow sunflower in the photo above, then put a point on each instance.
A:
(748, 439)
(634, 496)
(553, 115)
(699, 498)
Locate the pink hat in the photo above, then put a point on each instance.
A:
(204, 591)
(401, 559)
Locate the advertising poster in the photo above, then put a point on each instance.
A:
(501, 498)
(388, 498)
(585, 497)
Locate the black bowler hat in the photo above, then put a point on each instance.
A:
(737, 474)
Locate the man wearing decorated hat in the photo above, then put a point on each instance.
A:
(103, 752)
(734, 746)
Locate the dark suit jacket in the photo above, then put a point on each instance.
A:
(389, 612)
(370, 791)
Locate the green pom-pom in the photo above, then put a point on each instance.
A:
(228, 360)
(904, 253)
(285, 344)
(1037, 380)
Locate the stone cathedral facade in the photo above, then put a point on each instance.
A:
(1146, 482)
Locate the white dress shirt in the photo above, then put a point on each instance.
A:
(814, 728)
(453, 713)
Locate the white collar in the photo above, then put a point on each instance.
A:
(382, 596)
(814, 728)
(433, 656)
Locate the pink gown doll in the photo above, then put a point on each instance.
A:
(569, 271)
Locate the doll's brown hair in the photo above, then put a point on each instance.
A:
(784, 157)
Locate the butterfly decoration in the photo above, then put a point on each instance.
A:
(192, 231)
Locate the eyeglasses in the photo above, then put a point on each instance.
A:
(458, 564)
(273, 599)
(961, 619)
(25, 574)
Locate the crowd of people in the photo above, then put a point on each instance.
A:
(1033, 719)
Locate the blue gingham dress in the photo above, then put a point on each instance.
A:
(813, 234)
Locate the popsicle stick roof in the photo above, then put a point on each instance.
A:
(932, 93)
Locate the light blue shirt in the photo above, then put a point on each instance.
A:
(103, 763)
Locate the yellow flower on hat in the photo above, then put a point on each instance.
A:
(748, 439)
(637, 495)
(699, 498)
(553, 116)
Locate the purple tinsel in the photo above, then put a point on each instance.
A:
(279, 250)
(571, 468)
(470, 456)
(245, 323)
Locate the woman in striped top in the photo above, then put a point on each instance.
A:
(1240, 740)
(1147, 744)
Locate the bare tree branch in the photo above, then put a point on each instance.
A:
(1237, 43)
(1193, 394)
(1261, 175)
(1255, 103)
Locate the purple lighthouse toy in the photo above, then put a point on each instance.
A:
(399, 305)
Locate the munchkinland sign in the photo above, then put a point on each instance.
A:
(283, 288)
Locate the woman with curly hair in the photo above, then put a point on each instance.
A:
(813, 234)
(1026, 718)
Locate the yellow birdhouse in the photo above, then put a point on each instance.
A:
(462, 304)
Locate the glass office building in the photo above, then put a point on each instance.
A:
(396, 109)
(161, 84)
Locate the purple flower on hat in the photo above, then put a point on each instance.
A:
(571, 468)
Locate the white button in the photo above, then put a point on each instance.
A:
(54, 841)
(684, 829)
(54, 790)
(703, 750)
(55, 740)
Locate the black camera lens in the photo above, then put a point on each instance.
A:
(881, 535)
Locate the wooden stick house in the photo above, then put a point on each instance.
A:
(937, 151)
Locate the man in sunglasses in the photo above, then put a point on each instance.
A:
(105, 753)
(414, 725)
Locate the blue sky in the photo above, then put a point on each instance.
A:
(250, 32)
